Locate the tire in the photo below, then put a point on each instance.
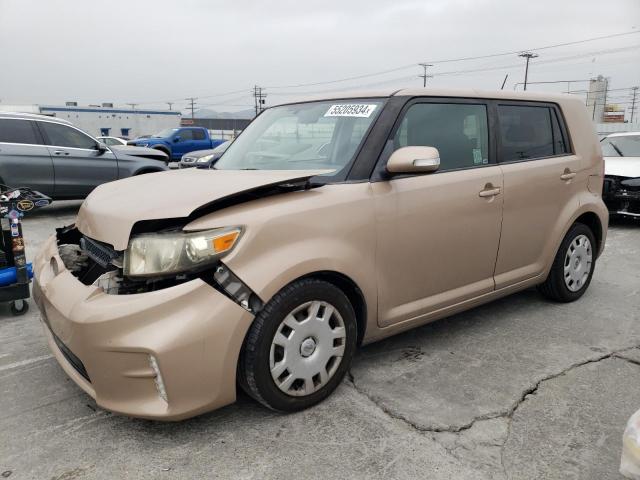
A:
(566, 282)
(19, 307)
(311, 345)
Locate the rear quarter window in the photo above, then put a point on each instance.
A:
(18, 131)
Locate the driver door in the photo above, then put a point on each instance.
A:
(78, 165)
(438, 233)
(184, 143)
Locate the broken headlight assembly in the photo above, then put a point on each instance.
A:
(168, 253)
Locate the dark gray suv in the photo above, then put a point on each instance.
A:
(52, 156)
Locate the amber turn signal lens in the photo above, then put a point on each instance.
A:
(225, 242)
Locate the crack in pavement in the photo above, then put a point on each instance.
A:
(505, 413)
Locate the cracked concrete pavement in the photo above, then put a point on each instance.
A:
(519, 388)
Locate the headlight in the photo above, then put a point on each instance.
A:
(204, 159)
(167, 253)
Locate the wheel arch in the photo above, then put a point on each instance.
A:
(351, 289)
(144, 170)
(591, 220)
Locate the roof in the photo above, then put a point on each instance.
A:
(33, 116)
(445, 92)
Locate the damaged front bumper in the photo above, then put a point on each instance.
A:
(622, 195)
(166, 354)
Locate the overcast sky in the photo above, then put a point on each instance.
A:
(151, 51)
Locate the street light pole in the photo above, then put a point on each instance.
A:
(528, 56)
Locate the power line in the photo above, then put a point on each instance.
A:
(424, 75)
(259, 98)
(528, 56)
(450, 60)
(192, 105)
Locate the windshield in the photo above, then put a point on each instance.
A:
(167, 132)
(621, 146)
(318, 135)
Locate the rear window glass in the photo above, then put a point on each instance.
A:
(17, 131)
(526, 132)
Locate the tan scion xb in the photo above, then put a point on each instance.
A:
(325, 225)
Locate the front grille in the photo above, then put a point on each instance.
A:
(99, 252)
(75, 362)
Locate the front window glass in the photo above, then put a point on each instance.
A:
(318, 135)
(622, 146)
(167, 132)
(459, 131)
(64, 136)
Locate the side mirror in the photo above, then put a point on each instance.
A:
(101, 148)
(414, 160)
(176, 139)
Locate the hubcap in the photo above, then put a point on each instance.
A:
(307, 348)
(577, 263)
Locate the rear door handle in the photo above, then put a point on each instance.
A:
(60, 152)
(567, 175)
(489, 191)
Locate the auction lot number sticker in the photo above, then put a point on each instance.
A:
(350, 110)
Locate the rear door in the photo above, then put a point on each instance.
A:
(438, 233)
(24, 159)
(542, 180)
(78, 165)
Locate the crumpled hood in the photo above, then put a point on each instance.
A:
(622, 166)
(110, 211)
(121, 150)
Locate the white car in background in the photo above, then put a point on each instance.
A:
(621, 191)
(111, 141)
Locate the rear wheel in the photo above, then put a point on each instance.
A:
(299, 347)
(573, 266)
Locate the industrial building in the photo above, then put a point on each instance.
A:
(105, 119)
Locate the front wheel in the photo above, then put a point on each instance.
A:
(299, 347)
(573, 266)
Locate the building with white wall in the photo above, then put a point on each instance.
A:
(105, 119)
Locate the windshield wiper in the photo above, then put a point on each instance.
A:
(616, 149)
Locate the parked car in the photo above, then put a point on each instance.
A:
(204, 158)
(111, 141)
(325, 225)
(52, 156)
(175, 142)
(622, 173)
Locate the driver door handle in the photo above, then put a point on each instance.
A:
(60, 152)
(567, 175)
(489, 191)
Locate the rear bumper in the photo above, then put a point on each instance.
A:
(105, 343)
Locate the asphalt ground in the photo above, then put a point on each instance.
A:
(520, 388)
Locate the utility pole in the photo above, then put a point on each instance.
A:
(192, 105)
(528, 56)
(633, 102)
(424, 75)
(169, 103)
(258, 99)
(132, 105)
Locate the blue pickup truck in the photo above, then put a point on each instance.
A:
(175, 142)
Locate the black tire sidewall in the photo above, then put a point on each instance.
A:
(305, 292)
